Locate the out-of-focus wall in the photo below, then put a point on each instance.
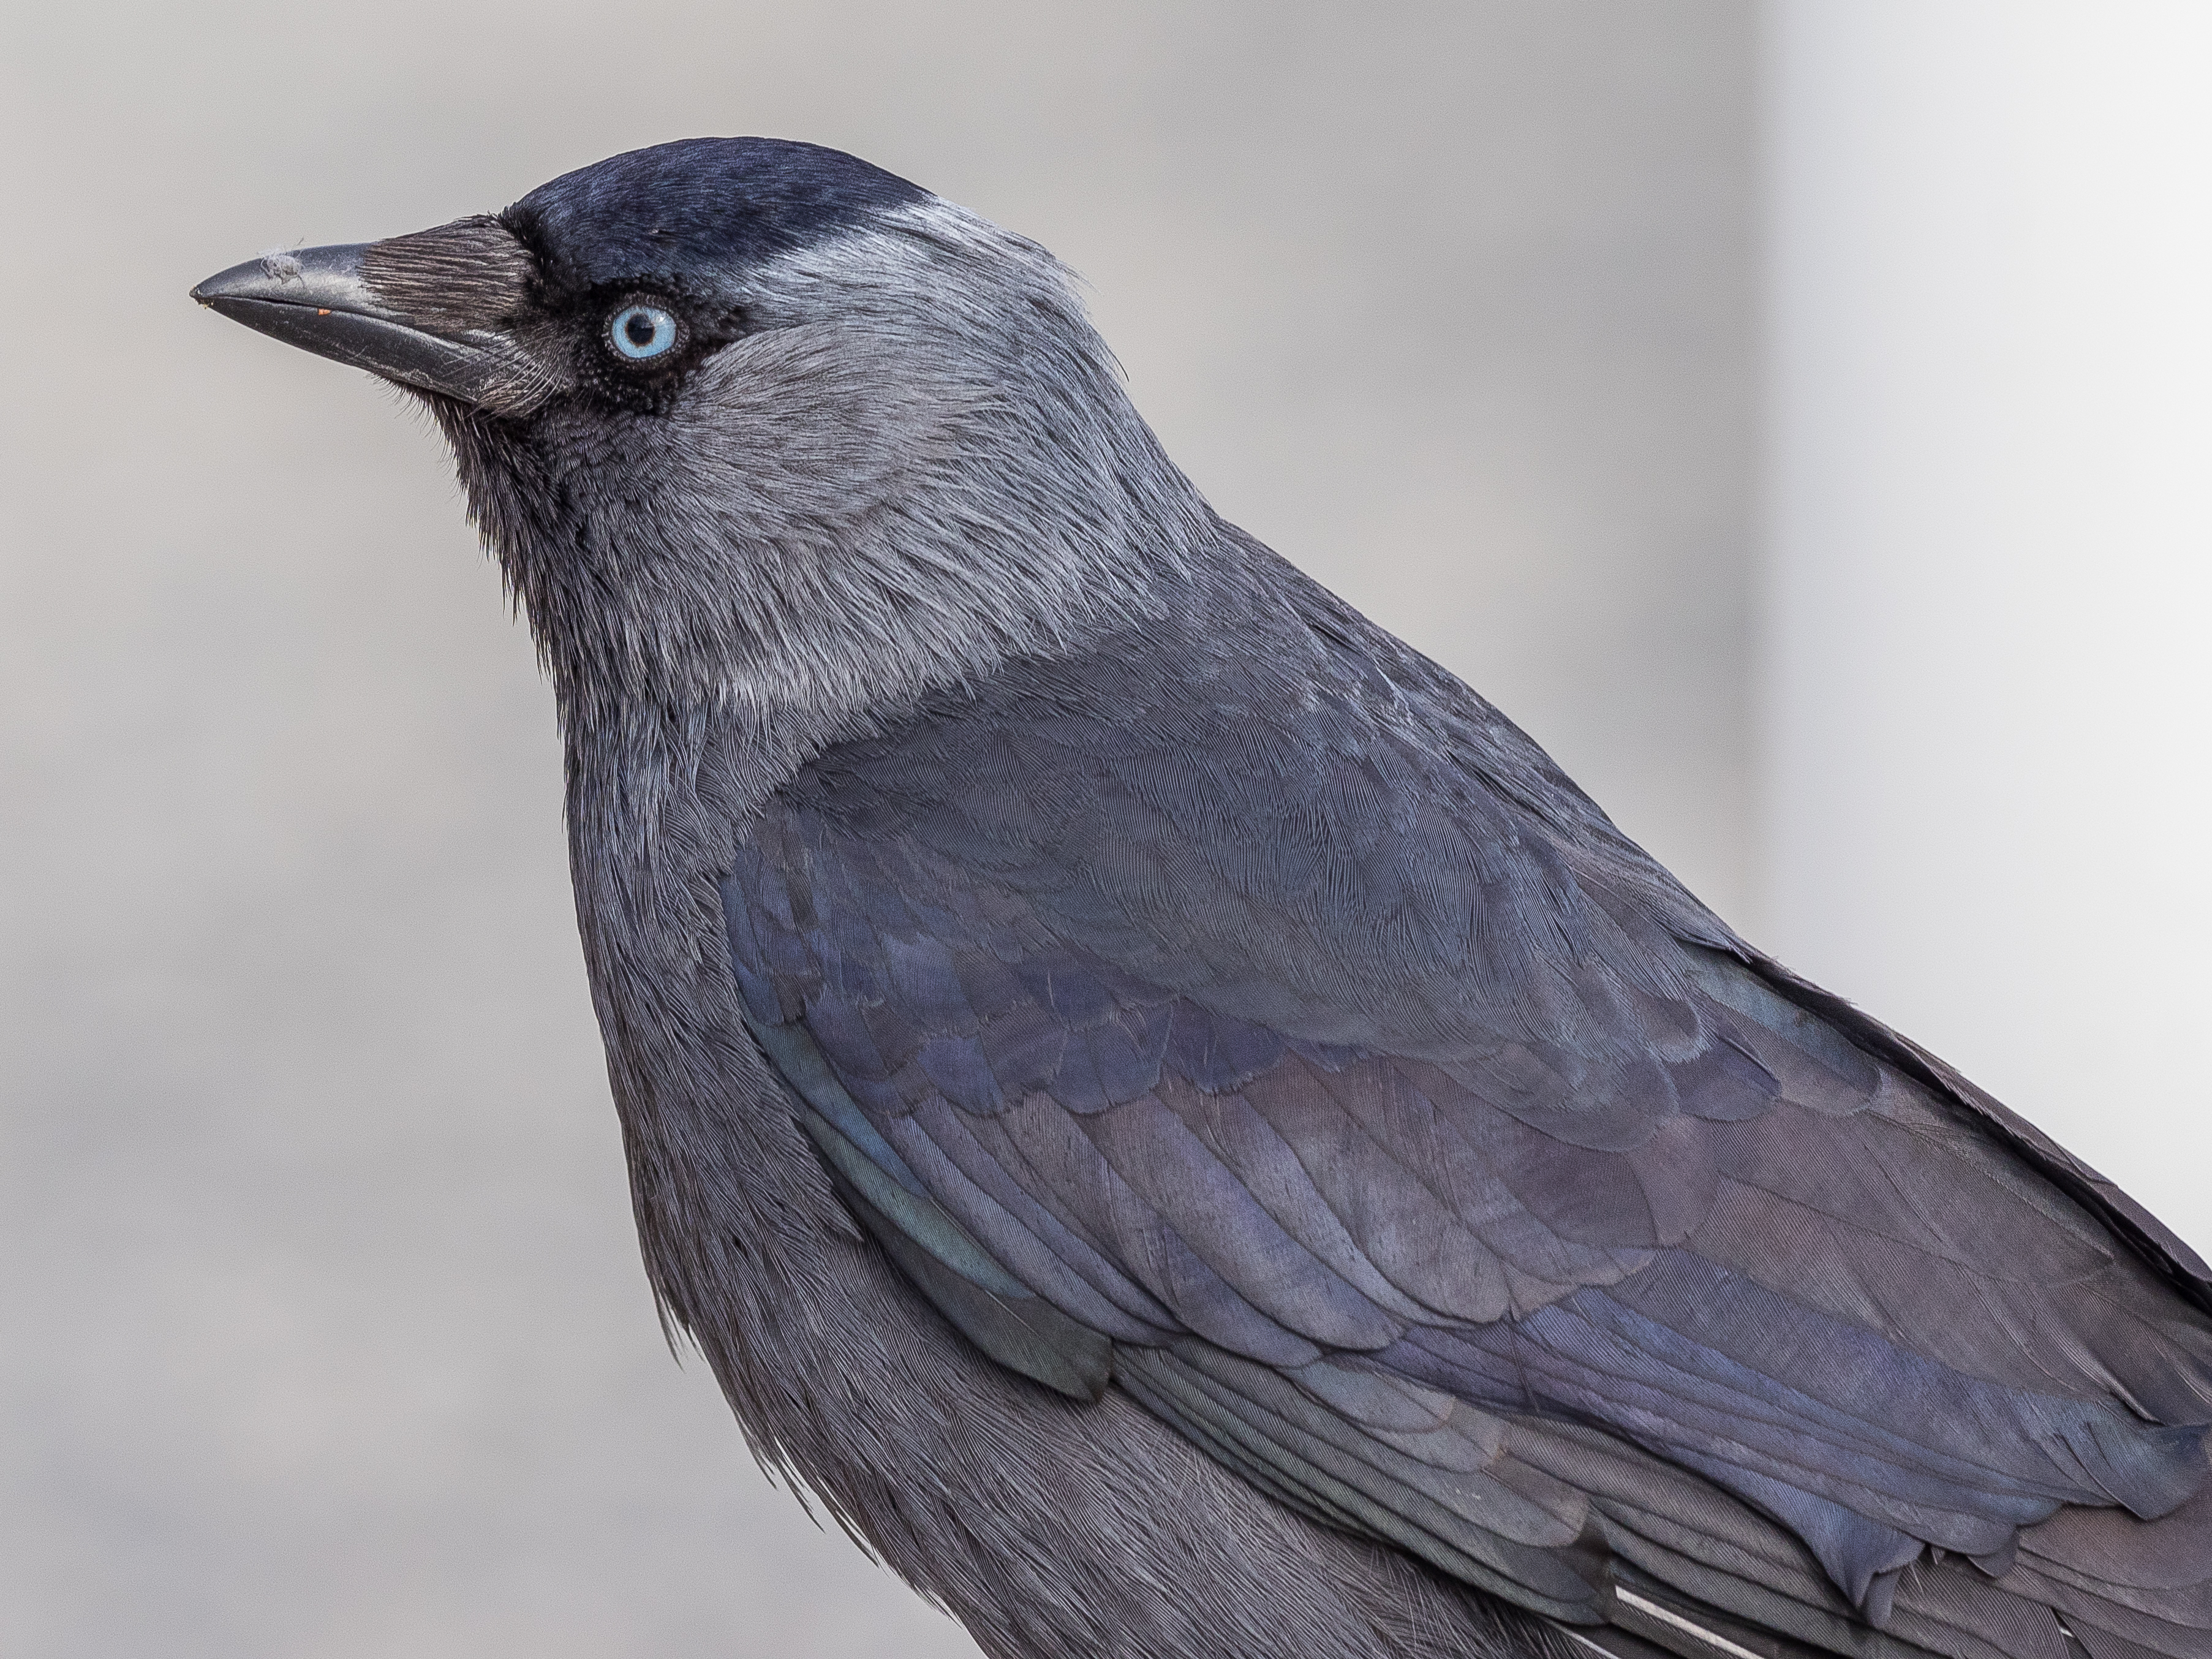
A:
(1987, 692)
(324, 1334)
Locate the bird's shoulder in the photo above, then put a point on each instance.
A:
(1206, 791)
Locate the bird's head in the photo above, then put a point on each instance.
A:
(753, 420)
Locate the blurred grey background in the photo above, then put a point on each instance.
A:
(322, 1331)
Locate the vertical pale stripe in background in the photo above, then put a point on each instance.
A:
(1986, 685)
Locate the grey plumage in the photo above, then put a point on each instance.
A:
(1160, 1105)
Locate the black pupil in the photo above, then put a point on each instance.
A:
(639, 327)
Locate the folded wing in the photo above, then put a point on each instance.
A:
(1460, 1182)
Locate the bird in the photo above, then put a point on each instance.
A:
(1164, 1110)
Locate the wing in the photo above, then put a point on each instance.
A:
(1284, 1038)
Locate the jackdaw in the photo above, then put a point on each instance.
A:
(1159, 1104)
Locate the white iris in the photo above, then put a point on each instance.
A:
(641, 332)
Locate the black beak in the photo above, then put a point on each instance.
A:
(317, 299)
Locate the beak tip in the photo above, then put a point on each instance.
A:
(292, 276)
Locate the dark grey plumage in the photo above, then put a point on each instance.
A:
(1158, 1103)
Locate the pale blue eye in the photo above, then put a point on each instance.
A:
(641, 332)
